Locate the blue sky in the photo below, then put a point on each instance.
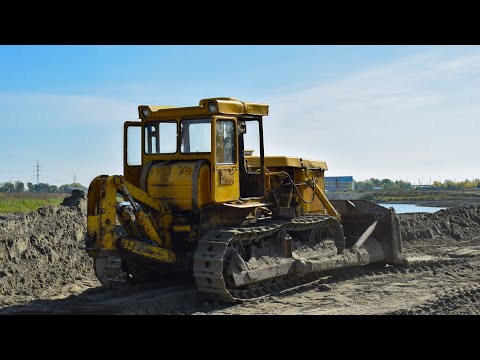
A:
(402, 112)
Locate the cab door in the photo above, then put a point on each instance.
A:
(225, 170)
(132, 152)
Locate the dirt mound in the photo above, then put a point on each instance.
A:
(40, 254)
(77, 199)
(444, 226)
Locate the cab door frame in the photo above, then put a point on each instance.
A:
(225, 177)
(251, 179)
(132, 172)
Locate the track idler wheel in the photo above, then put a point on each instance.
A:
(110, 271)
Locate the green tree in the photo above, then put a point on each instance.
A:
(65, 188)
(30, 187)
(7, 187)
(19, 186)
(450, 185)
(387, 184)
(403, 185)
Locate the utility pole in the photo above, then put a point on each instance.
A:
(37, 172)
(74, 179)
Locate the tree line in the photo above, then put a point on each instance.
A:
(370, 184)
(19, 187)
(455, 185)
(387, 184)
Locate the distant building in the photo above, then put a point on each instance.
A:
(339, 183)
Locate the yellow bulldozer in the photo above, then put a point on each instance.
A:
(198, 195)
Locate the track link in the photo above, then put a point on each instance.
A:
(209, 259)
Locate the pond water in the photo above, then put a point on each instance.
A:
(411, 208)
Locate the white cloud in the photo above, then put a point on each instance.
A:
(56, 110)
(414, 117)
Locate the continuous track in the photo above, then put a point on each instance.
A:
(216, 249)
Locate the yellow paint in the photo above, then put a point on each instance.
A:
(181, 228)
(286, 161)
(173, 183)
(166, 223)
(107, 214)
(321, 195)
(227, 106)
(101, 211)
(147, 225)
(138, 194)
(302, 176)
(222, 192)
(147, 250)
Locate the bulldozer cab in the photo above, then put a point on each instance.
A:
(203, 149)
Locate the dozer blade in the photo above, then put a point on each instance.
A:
(364, 221)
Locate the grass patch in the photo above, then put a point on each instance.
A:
(18, 202)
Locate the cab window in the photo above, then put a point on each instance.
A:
(225, 142)
(161, 137)
(195, 136)
(133, 146)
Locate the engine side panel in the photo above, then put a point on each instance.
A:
(184, 185)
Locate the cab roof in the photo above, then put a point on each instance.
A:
(206, 107)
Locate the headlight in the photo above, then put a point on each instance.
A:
(146, 111)
(212, 107)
